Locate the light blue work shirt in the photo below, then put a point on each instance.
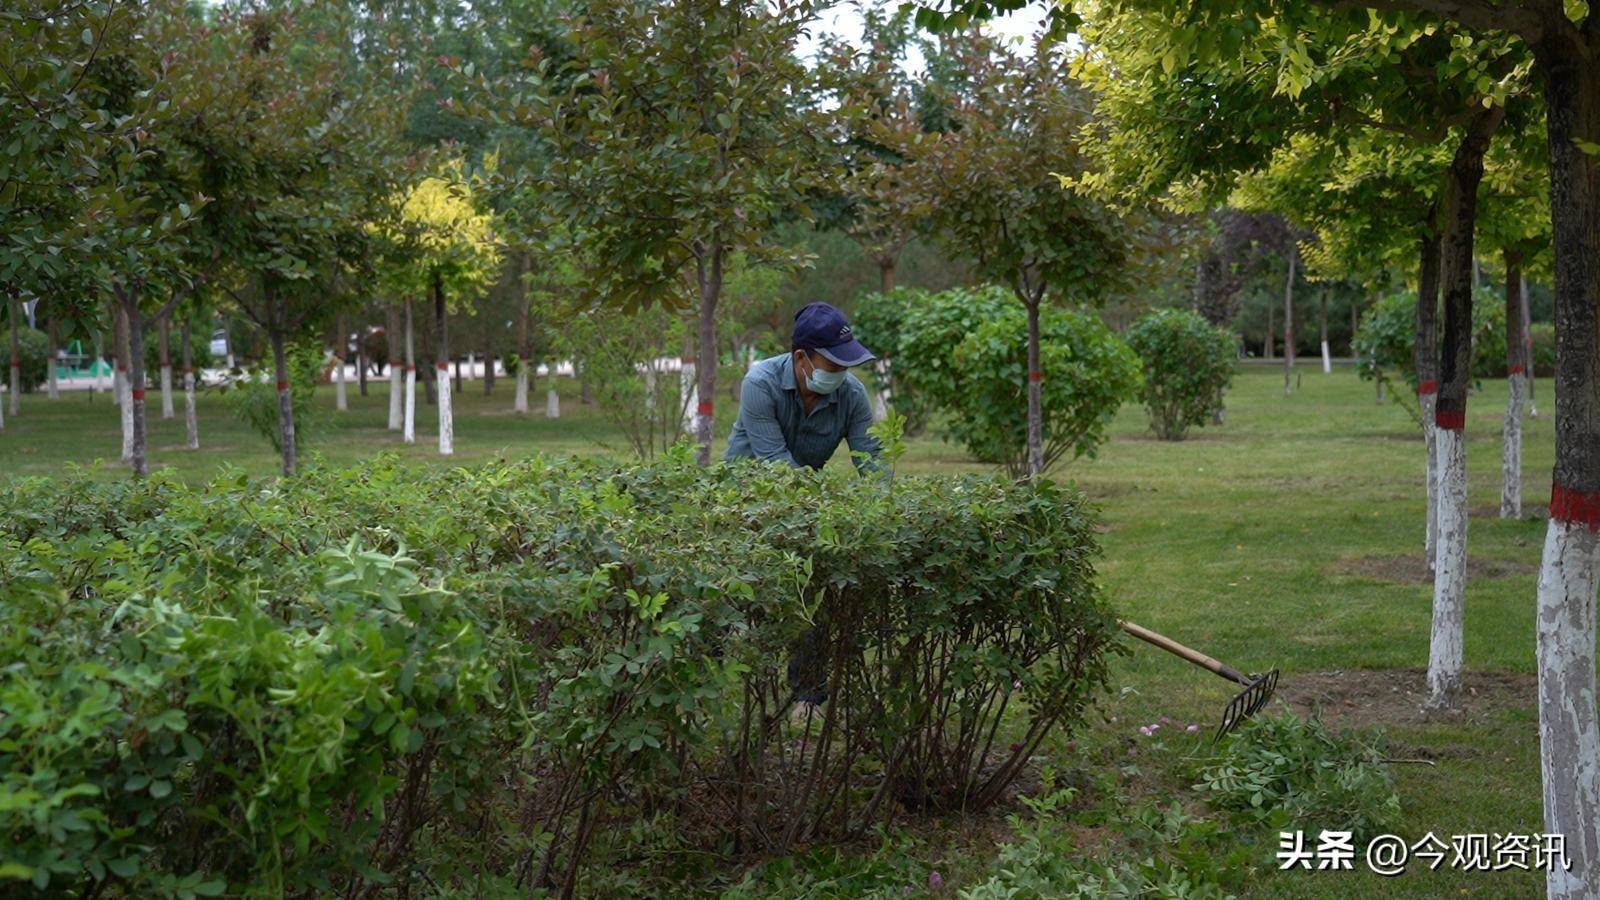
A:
(774, 425)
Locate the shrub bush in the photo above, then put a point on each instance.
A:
(1187, 364)
(965, 352)
(877, 320)
(1544, 349)
(373, 679)
(1387, 334)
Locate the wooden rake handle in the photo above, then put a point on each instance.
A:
(1182, 652)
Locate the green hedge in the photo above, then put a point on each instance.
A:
(379, 680)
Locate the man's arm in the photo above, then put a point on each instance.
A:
(861, 441)
(758, 412)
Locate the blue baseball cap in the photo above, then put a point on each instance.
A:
(823, 328)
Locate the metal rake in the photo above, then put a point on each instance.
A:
(1258, 689)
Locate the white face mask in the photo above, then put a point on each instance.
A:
(822, 381)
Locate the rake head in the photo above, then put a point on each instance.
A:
(1247, 702)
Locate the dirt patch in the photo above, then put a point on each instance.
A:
(1386, 697)
(1413, 569)
(1530, 512)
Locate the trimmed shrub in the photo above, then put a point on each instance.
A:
(1187, 364)
(966, 353)
(458, 681)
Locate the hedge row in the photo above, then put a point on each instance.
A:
(373, 681)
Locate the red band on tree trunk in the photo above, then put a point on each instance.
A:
(410, 368)
(138, 396)
(188, 370)
(1036, 377)
(1575, 507)
(1451, 419)
(1427, 387)
(16, 363)
(283, 385)
(1515, 370)
(704, 408)
(443, 367)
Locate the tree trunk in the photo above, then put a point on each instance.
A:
(1570, 575)
(53, 344)
(709, 273)
(1527, 346)
(488, 361)
(1425, 360)
(15, 313)
(1516, 367)
(430, 386)
(886, 266)
(688, 391)
(552, 397)
(1266, 342)
(1288, 319)
(392, 343)
(134, 325)
(1035, 392)
(340, 403)
(1327, 358)
(280, 368)
(408, 433)
(122, 380)
(442, 320)
(164, 347)
(361, 358)
(99, 357)
(190, 417)
(1455, 375)
(519, 402)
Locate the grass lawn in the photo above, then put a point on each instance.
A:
(1268, 541)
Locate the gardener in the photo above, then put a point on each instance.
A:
(795, 409)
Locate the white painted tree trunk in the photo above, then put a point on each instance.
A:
(396, 382)
(1511, 452)
(116, 382)
(447, 436)
(339, 401)
(650, 388)
(167, 409)
(1327, 358)
(409, 433)
(690, 394)
(880, 399)
(1450, 573)
(520, 403)
(552, 400)
(127, 415)
(1569, 739)
(190, 416)
(1428, 402)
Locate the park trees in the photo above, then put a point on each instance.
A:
(1564, 42)
(659, 176)
(444, 248)
(295, 155)
(994, 185)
